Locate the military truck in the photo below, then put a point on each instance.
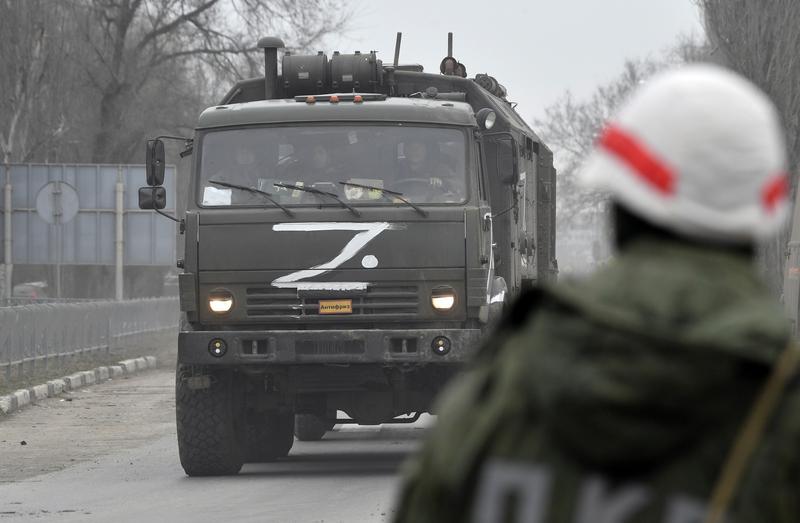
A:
(351, 230)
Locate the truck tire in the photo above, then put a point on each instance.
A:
(206, 425)
(269, 437)
(310, 427)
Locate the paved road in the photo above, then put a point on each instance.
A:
(109, 454)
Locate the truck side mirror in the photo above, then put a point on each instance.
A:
(154, 164)
(152, 198)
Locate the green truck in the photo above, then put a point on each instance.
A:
(351, 230)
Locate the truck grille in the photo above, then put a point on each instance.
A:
(328, 347)
(381, 300)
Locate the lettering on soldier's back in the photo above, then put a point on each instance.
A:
(530, 486)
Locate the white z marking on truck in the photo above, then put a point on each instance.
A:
(366, 233)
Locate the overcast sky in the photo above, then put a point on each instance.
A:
(536, 48)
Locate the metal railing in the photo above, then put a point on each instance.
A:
(17, 301)
(47, 335)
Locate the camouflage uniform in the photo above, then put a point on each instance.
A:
(616, 400)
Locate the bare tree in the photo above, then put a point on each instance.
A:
(31, 63)
(141, 45)
(88, 79)
(571, 127)
(761, 40)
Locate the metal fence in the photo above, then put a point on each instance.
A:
(43, 336)
(19, 301)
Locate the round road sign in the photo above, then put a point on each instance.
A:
(57, 202)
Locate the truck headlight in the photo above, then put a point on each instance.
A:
(220, 301)
(443, 299)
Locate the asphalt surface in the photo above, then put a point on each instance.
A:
(108, 453)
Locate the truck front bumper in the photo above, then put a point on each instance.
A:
(284, 347)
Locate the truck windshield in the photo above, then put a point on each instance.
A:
(424, 164)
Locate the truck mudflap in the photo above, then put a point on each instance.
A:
(427, 346)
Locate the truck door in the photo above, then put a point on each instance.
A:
(527, 190)
(485, 208)
(502, 166)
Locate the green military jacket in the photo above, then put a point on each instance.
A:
(616, 400)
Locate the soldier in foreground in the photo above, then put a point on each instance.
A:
(618, 399)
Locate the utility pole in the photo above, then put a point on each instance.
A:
(7, 253)
(119, 237)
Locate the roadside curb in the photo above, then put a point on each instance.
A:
(22, 397)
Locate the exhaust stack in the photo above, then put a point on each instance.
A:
(270, 44)
(397, 49)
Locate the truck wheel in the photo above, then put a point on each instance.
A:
(269, 437)
(310, 427)
(205, 419)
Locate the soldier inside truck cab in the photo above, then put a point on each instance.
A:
(240, 164)
(426, 165)
(313, 167)
(425, 162)
(312, 163)
(419, 164)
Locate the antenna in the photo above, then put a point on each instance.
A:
(449, 44)
(397, 48)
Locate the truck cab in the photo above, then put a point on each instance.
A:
(351, 232)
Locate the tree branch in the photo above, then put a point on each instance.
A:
(174, 24)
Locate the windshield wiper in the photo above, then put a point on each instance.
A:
(252, 190)
(319, 193)
(385, 192)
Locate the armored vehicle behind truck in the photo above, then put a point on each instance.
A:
(351, 230)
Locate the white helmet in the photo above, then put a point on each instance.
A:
(700, 151)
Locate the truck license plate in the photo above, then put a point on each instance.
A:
(336, 306)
